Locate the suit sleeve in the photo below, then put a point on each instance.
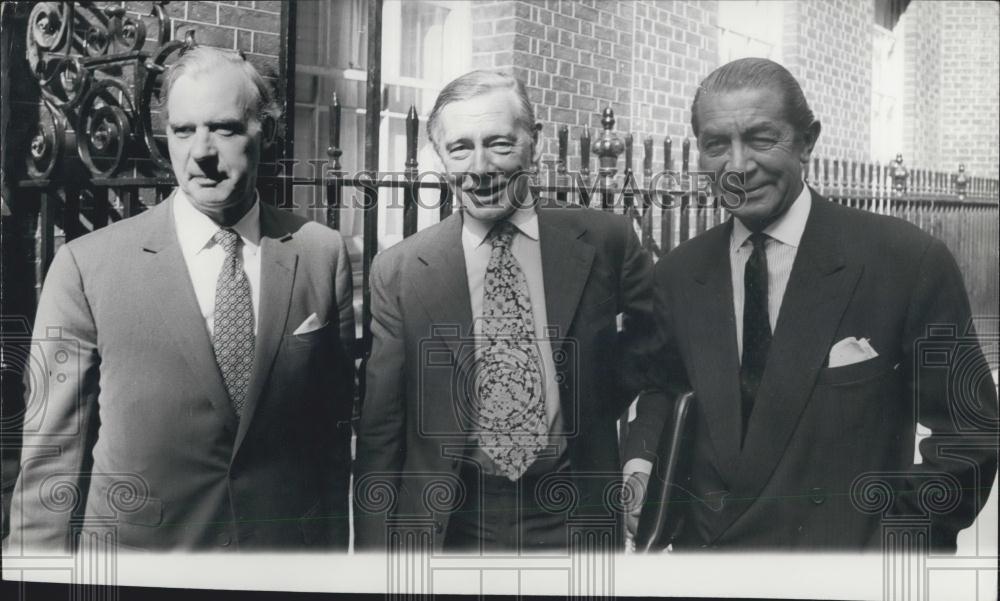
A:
(661, 369)
(344, 279)
(382, 429)
(955, 398)
(339, 391)
(61, 416)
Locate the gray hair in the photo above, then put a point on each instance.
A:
(201, 59)
(477, 83)
(757, 74)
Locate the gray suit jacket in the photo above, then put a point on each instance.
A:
(131, 431)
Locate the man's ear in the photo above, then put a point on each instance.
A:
(268, 130)
(809, 138)
(536, 129)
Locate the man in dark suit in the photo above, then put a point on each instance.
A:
(199, 392)
(815, 337)
(496, 374)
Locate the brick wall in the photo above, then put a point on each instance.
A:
(644, 58)
(827, 46)
(576, 58)
(676, 46)
(922, 85)
(250, 26)
(970, 81)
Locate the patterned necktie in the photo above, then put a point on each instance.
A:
(756, 325)
(510, 388)
(233, 338)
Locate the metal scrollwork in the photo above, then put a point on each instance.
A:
(47, 146)
(99, 82)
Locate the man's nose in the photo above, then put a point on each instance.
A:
(481, 163)
(740, 158)
(202, 146)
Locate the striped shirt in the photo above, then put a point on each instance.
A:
(781, 247)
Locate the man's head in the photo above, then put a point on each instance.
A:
(750, 116)
(483, 128)
(219, 113)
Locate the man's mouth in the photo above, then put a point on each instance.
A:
(205, 181)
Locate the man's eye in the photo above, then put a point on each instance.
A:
(225, 131)
(458, 153)
(713, 148)
(503, 147)
(763, 141)
(182, 132)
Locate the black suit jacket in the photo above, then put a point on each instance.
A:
(132, 434)
(414, 419)
(828, 455)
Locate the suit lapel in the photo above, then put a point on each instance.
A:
(819, 288)
(715, 358)
(278, 262)
(172, 300)
(443, 286)
(566, 262)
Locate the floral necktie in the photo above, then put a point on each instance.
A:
(510, 386)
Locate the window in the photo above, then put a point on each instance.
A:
(887, 93)
(750, 28)
(425, 44)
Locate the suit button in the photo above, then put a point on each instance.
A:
(225, 539)
(817, 495)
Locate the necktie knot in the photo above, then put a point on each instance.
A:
(502, 234)
(228, 239)
(758, 239)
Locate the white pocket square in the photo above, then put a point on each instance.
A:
(851, 350)
(311, 324)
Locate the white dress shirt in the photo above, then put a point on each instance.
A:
(781, 247)
(526, 249)
(204, 258)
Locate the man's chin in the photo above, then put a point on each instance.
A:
(492, 212)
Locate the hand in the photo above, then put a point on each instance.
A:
(636, 483)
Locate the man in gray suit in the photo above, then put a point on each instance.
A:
(199, 391)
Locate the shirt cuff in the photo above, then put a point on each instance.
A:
(637, 464)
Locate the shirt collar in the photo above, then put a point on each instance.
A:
(195, 229)
(525, 219)
(787, 229)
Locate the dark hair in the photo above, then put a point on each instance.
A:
(478, 83)
(757, 74)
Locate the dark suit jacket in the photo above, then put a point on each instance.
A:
(133, 431)
(828, 455)
(414, 419)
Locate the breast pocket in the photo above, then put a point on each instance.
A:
(309, 340)
(857, 373)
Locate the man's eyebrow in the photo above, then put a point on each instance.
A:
(233, 123)
(761, 127)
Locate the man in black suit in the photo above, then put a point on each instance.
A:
(815, 337)
(497, 371)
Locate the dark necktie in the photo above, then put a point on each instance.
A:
(510, 387)
(756, 326)
(233, 337)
